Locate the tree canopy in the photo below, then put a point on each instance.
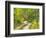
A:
(22, 14)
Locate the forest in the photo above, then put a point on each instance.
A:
(26, 18)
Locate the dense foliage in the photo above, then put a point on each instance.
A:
(28, 14)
